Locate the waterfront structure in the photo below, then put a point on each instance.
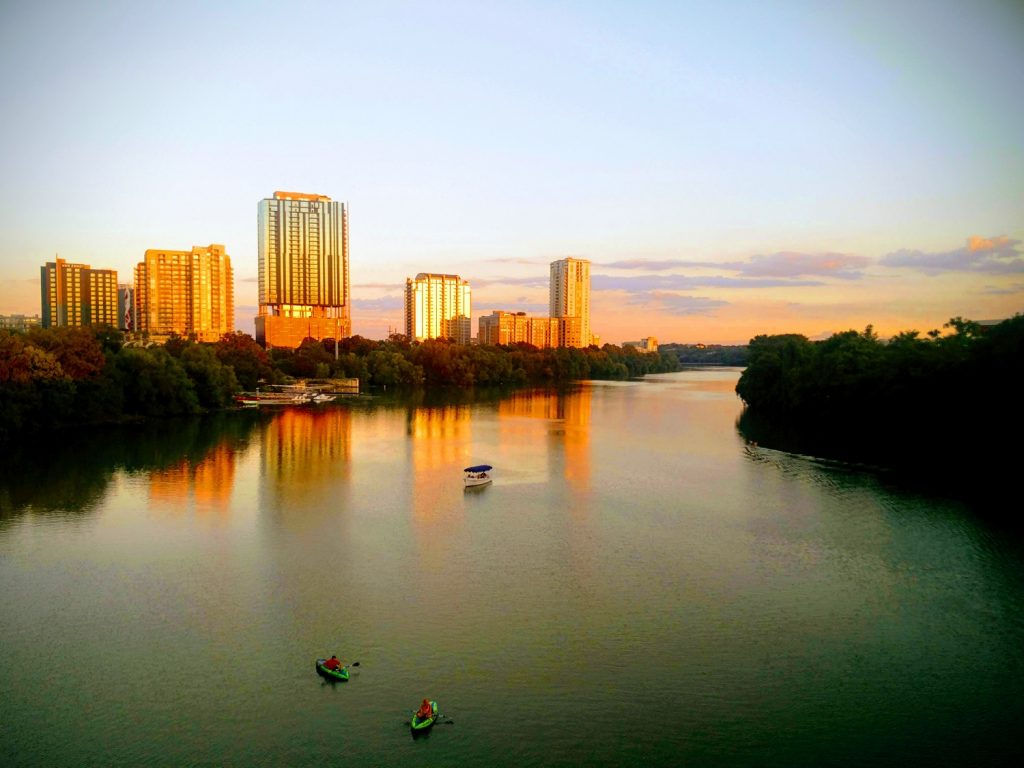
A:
(515, 328)
(569, 297)
(189, 293)
(438, 307)
(647, 344)
(19, 322)
(77, 294)
(303, 270)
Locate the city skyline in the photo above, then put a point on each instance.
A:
(727, 170)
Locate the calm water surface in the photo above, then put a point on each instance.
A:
(637, 587)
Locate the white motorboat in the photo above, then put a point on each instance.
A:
(478, 475)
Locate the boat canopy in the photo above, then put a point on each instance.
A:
(478, 468)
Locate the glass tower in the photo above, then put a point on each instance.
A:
(303, 269)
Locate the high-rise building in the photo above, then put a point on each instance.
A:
(303, 270)
(190, 293)
(516, 327)
(569, 297)
(126, 308)
(438, 307)
(77, 294)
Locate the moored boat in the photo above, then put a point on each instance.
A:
(339, 674)
(421, 723)
(477, 475)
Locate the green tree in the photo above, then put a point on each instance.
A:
(248, 359)
(215, 383)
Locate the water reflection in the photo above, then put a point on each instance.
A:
(568, 412)
(439, 443)
(303, 452)
(70, 471)
(208, 483)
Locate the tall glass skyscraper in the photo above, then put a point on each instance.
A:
(569, 297)
(438, 307)
(303, 270)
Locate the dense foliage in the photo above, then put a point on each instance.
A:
(396, 362)
(62, 376)
(937, 401)
(707, 354)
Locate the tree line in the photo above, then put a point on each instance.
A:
(64, 376)
(942, 401)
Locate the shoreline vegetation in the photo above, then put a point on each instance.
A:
(946, 408)
(64, 377)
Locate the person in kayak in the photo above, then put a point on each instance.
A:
(425, 712)
(333, 663)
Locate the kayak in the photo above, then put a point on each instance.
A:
(423, 723)
(341, 673)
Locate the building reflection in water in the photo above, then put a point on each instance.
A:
(305, 453)
(568, 415)
(207, 483)
(439, 439)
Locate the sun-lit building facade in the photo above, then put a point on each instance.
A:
(517, 328)
(303, 269)
(189, 293)
(438, 307)
(647, 344)
(569, 297)
(77, 294)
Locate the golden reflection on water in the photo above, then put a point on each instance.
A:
(568, 413)
(439, 438)
(208, 482)
(303, 453)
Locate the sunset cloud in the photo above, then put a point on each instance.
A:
(1010, 290)
(646, 283)
(382, 304)
(677, 304)
(996, 255)
(788, 264)
(532, 281)
(659, 265)
(783, 264)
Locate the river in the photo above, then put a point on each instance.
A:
(636, 587)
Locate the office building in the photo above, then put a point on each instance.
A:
(516, 328)
(77, 294)
(303, 270)
(569, 297)
(190, 293)
(438, 307)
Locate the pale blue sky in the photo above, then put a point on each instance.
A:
(487, 139)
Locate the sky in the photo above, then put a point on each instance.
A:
(729, 168)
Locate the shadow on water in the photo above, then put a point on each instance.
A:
(952, 466)
(70, 470)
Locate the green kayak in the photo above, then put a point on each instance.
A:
(423, 723)
(341, 673)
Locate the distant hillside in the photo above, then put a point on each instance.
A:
(707, 354)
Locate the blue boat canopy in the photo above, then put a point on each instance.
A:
(478, 468)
